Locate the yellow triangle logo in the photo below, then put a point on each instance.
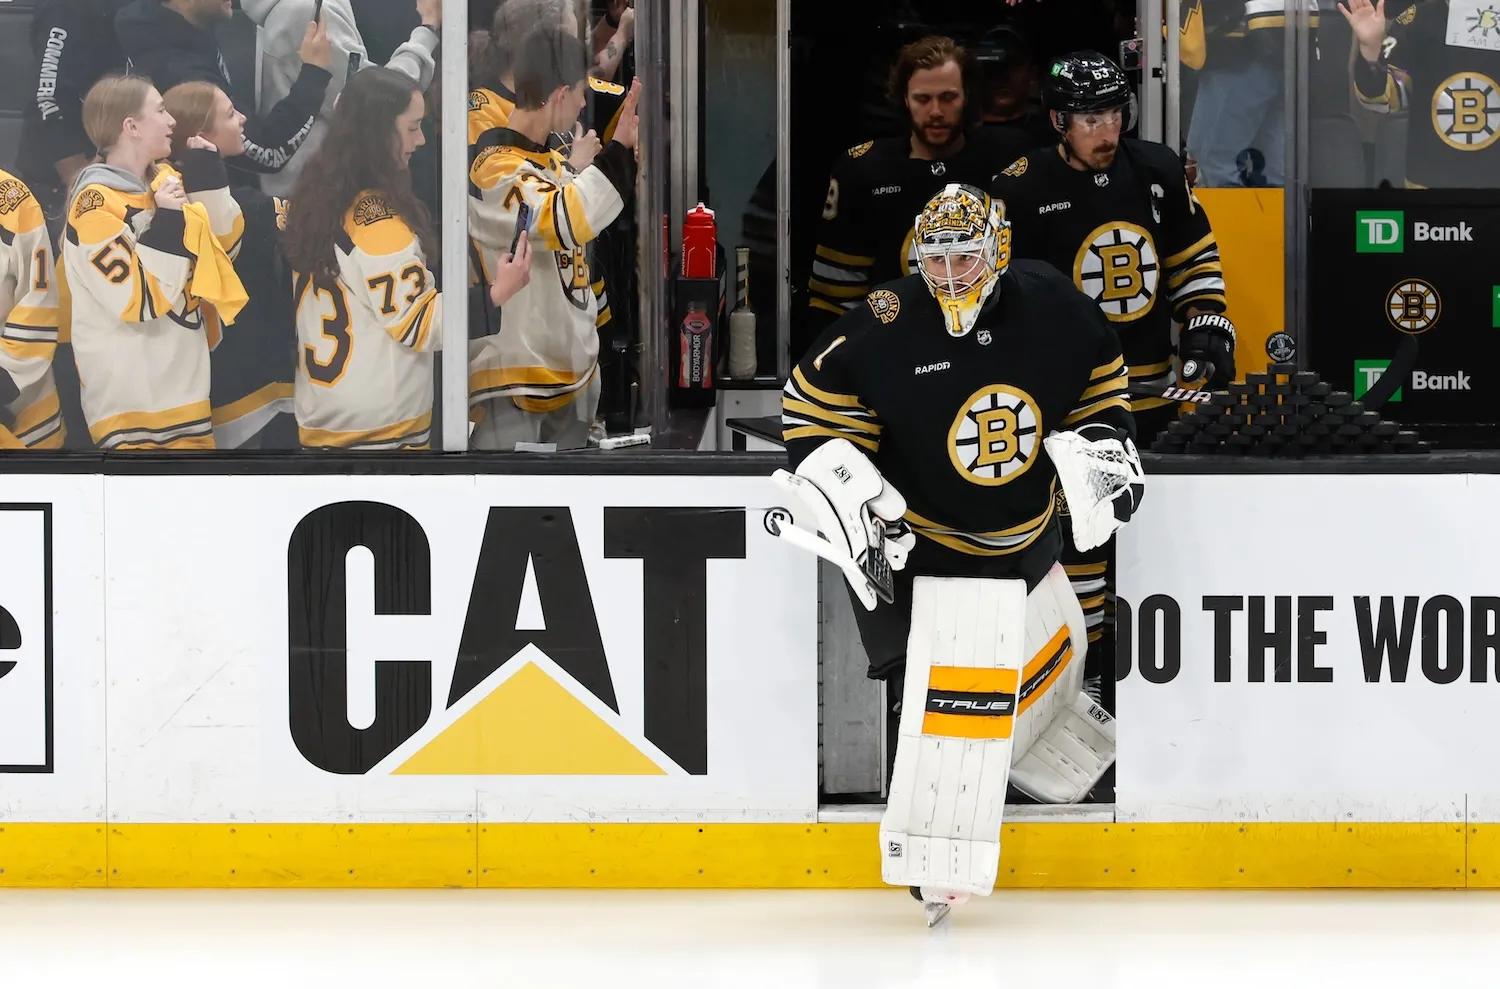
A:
(529, 726)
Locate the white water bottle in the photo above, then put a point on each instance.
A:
(742, 363)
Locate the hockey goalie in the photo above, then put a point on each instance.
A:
(931, 433)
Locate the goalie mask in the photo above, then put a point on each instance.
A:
(963, 245)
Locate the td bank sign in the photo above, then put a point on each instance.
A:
(1383, 231)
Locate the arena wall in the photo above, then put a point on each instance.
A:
(362, 679)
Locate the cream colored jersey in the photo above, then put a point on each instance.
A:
(141, 339)
(365, 344)
(28, 306)
(547, 349)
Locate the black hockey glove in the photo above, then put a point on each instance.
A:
(1208, 340)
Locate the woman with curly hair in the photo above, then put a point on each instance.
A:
(362, 249)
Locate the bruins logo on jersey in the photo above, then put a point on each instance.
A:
(1407, 16)
(281, 206)
(1466, 111)
(1060, 503)
(993, 440)
(88, 201)
(1117, 267)
(478, 99)
(371, 209)
(885, 304)
(573, 272)
(861, 150)
(12, 194)
(1413, 306)
(1015, 169)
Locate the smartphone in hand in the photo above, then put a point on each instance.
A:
(317, 11)
(523, 225)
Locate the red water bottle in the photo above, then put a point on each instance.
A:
(700, 239)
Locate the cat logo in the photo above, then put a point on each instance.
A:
(1413, 306)
(1466, 111)
(993, 440)
(27, 685)
(1117, 267)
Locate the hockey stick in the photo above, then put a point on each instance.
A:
(1172, 393)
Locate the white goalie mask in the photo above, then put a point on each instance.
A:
(963, 247)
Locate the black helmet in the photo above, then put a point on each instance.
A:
(1086, 82)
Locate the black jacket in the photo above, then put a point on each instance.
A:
(73, 45)
(160, 44)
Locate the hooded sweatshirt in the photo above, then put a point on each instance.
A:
(73, 45)
(282, 26)
(159, 43)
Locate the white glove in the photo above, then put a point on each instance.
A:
(853, 518)
(1101, 478)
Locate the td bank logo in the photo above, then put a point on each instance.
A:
(531, 691)
(1379, 231)
(1366, 373)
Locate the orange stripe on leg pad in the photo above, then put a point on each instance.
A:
(972, 680)
(967, 726)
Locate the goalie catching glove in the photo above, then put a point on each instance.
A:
(855, 515)
(1207, 346)
(1101, 477)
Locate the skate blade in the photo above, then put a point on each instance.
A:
(936, 912)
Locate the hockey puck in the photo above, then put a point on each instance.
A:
(1315, 409)
(1406, 437)
(1193, 418)
(1384, 429)
(1181, 429)
(1336, 399)
(1282, 368)
(1297, 401)
(1243, 388)
(1366, 419)
(1223, 399)
(1320, 390)
(1318, 429)
(1286, 429)
(1332, 419)
(1259, 379)
(1267, 419)
(1350, 409)
(1298, 420)
(1350, 430)
(1243, 409)
(1218, 429)
(1262, 400)
(1251, 429)
(1279, 389)
(1304, 379)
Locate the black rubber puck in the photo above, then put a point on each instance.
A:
(1303, 380)
(1384, 429)
(1320, 390)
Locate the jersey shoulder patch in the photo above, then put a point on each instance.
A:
(1016, 169)
(885, 304)
(609, 88)
(478, 99)
(375, 228)
(1407, 16)
(19, 211)
(859, 151)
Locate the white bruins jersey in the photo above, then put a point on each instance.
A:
(140, 338)
(547, 349)
(365, 344)
(28, 306)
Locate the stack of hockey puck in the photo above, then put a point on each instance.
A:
(1285, 413)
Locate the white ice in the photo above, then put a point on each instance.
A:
(761, 939)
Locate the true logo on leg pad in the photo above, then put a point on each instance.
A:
(964, 702)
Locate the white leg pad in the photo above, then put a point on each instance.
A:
(941, 827)
(1073, 752)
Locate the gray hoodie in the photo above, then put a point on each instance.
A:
(282, 24)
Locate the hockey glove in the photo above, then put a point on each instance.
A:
(852, 518)
(1101, 477)
(1207, 341)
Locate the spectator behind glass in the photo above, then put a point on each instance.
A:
(536, 380)
(172, 42)
(283, 27)
(1011, 86)
(253, 366)
(1240, 101)
(73, 45)
(613, 35)
(30, 417)
(359, 241)
(144, 255)
(492, 79)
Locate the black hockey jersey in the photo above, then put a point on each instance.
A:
(1125, 237)
(956, 424)
(1452, 92)
(874, 196)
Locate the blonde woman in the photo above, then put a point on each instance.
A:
(254, 366)
(141, 262)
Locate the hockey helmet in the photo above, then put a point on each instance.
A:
(962, 240)
(1086, 83)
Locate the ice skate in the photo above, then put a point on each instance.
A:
(937, 903)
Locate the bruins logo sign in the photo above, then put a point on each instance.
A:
(1117, 267)
(993, 440)
(1413, 306)
(1466, 111)
(885, 304)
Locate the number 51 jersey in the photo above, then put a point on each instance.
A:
(956, 424)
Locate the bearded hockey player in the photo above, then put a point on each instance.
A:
(876, 188)
(930, 430)
(1118, 216)
(1437, 61)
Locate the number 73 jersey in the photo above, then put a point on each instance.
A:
(365, 343)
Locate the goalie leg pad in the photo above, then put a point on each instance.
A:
(965, 653)
(1064, 741)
